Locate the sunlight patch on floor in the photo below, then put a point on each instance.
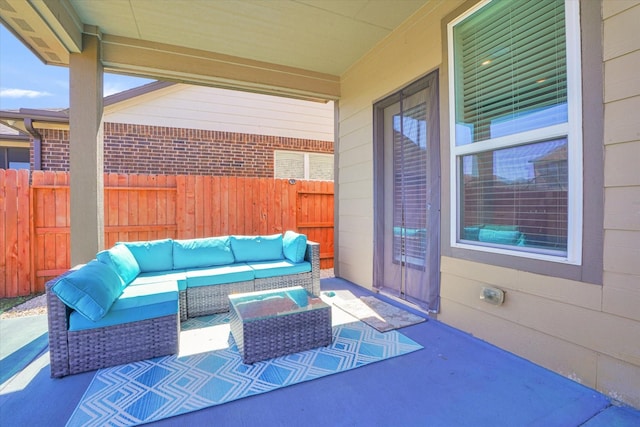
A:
(201, 340)
(21, 380)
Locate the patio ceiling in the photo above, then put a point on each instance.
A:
(293, 47)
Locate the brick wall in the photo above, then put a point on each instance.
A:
(172, 151)
(55, 150)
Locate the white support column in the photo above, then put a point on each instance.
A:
(86, 151)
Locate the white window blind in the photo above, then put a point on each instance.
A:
(510, 69)
(410, 213)
(321, 167)
(303, 165)
(289, 164)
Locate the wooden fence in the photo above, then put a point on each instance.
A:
(35, 226)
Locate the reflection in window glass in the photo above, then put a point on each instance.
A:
(517, 196)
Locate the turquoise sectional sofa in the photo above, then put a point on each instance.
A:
(127, 303)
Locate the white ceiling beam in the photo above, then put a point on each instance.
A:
(175, 63)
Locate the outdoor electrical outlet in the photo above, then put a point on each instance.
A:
(493, 296)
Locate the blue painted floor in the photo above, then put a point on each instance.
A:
(456, 380)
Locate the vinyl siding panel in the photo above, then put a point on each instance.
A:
(619, 125)
(621, 77)
(621, 164)
(199, 107)
(620, 32)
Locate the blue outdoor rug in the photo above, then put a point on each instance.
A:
(163, 387)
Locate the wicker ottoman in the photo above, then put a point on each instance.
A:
(268, 324)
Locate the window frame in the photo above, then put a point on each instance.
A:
(572, 130)
(7, 158)
(306, 163)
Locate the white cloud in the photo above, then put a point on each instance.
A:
(110, 88)
(23, 93)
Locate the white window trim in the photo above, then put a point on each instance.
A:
(305, 158)
(572, 130)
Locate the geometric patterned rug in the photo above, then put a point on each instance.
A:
(151, 390)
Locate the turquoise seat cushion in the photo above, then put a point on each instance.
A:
(265, 269)
(122, 261)
(471, 233)
(179, 276)
(202, 252)
(219, 275)
(154, 255)
(140, 302)
(257, 248)
(501, 237)
(142, 295)
(294, 246)
(120, 317)
(90, 290)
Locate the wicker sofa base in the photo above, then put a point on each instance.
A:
(130, 342)
(306, 280)
(204, 300)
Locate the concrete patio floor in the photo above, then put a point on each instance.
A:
(456, 380)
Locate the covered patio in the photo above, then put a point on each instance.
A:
(572, 311)
(455, 380)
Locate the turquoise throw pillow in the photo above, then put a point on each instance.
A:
(257, 248)
(153, 255)
(202, 252)
(122, 261)
(294, 246)
(90, 290)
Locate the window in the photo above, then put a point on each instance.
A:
(14, 158)
(516, 129)
(303, 165)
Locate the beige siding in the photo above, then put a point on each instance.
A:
(587, 332)
(199, 107)
(619, 376)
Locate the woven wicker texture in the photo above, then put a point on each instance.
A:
(273, 336)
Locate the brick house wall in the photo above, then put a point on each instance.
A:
(142, 149)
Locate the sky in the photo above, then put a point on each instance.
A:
(26, 82)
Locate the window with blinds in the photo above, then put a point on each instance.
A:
(513, 142)
(303, 165)
(410, 186)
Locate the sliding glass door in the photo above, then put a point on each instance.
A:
(407, 194)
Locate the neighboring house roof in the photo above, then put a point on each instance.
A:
(10, 134)
(134, 92)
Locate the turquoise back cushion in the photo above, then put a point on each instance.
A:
(90, 290)
(202, 252)
(294, 246)
(153, 255)
(122, 261)
(257, 248)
